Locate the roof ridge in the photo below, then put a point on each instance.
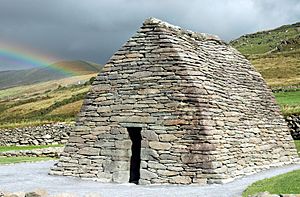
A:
(195, 35)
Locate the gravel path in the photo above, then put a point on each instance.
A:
(31, 176)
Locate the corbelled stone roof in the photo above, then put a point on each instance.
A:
(205, 114)
(195, 35)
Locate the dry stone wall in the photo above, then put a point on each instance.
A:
(206, 115)
(294, 125)
(36, 135)
(43, 152)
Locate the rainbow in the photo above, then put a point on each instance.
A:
(17, 56)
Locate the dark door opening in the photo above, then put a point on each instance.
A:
(135, 160)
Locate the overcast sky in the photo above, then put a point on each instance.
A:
(94, 29)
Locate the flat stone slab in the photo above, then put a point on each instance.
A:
(28, 177)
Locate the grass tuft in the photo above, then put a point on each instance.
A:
(12, 160)
(289, 102)
(13, 148)
(297, 144)
(282, 184)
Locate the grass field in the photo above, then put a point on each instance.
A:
(12, 148)
(26, 123)
(283, 184)
(58, 100)
(282, 39)
(289, 102)
(288, 98)
(71, 108)
(274, 53)
(11, 160)
(297, 143)
(39, 89)
(279, 69)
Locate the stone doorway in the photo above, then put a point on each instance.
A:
(135, 160)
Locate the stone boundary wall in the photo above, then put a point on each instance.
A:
(294, 125)
(43, 152)
(57, 133)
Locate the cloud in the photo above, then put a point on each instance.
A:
(93, 30)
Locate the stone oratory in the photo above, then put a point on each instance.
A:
(177, 107)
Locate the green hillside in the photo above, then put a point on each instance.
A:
(289, 102)
(58, 70)
(42, 95)
(283, 39)
(78, 67)
(274, 53)
(56, 100)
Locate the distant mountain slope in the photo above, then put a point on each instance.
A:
(14, 78)
(275, 54)
(284, 38)
(79, 67)
(51, 101)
